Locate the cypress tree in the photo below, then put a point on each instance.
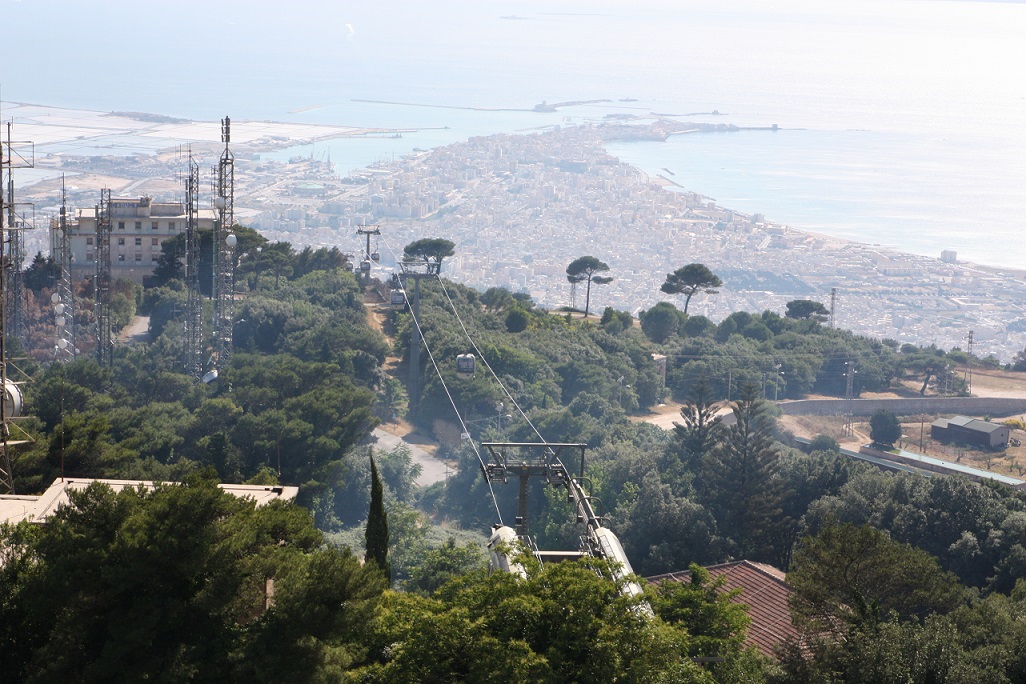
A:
(377, 525)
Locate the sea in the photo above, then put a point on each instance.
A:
(900, 122)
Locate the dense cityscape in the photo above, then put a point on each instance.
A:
(521, 207)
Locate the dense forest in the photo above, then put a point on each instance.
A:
(897, 577)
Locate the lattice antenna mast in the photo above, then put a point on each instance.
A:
(969, 367)
(6, 473)
(194, 308)
(833, 304)
(224, 252)
(64, 307)
(849, 409)
(15, 286)
(11, 399)
(104, 336)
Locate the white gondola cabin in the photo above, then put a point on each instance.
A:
(375, 256)
(465, 365)
(398, 299)
(365, 266)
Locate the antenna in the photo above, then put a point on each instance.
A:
(833, 303)
(849, 374)
(194, 308)
(64, 307)
(11, 401)
(224, 252)
(104, 338)
(969, 366)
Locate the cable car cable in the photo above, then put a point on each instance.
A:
(485, 361)
(463, 425)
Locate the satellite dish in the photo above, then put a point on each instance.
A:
(231, 240)
(14, 402)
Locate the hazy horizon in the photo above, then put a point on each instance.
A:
(914, 109)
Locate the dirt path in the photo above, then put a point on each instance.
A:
(423, 448)
(136, 331)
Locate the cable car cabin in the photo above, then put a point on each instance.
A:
(365, 266)
(349, 266)
(465, 365)
(397, 299)
(375, 256)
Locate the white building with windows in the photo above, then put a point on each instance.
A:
(138, 228)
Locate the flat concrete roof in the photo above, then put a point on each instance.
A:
(15, 508)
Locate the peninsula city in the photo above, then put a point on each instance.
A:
(520, 208)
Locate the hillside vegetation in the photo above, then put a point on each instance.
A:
(940, 560)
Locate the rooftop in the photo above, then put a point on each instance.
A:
(15, 508)
(764, 590)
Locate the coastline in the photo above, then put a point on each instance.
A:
(884, 292)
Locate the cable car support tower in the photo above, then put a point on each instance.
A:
(368, 255)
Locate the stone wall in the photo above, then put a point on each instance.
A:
(971, 406)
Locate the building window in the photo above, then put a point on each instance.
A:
(138, 241)
(153, 226)
(154, 242)
(89, 241)
(138, 225)
(121, 241)
(171, 226)
(121, 257)
(138, 258)
(89, 256)
(121, 225)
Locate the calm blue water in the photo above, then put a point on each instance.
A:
(911, 111)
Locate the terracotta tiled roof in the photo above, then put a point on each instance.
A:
(764, 590)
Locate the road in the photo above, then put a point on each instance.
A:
(431, 469)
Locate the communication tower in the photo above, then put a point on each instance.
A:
(833, 303)
(10, 394)
(194, 307)
(224, 252)
(849, 412)
(16, 225)
(969, 367)
(104, 337)
(64, 308)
